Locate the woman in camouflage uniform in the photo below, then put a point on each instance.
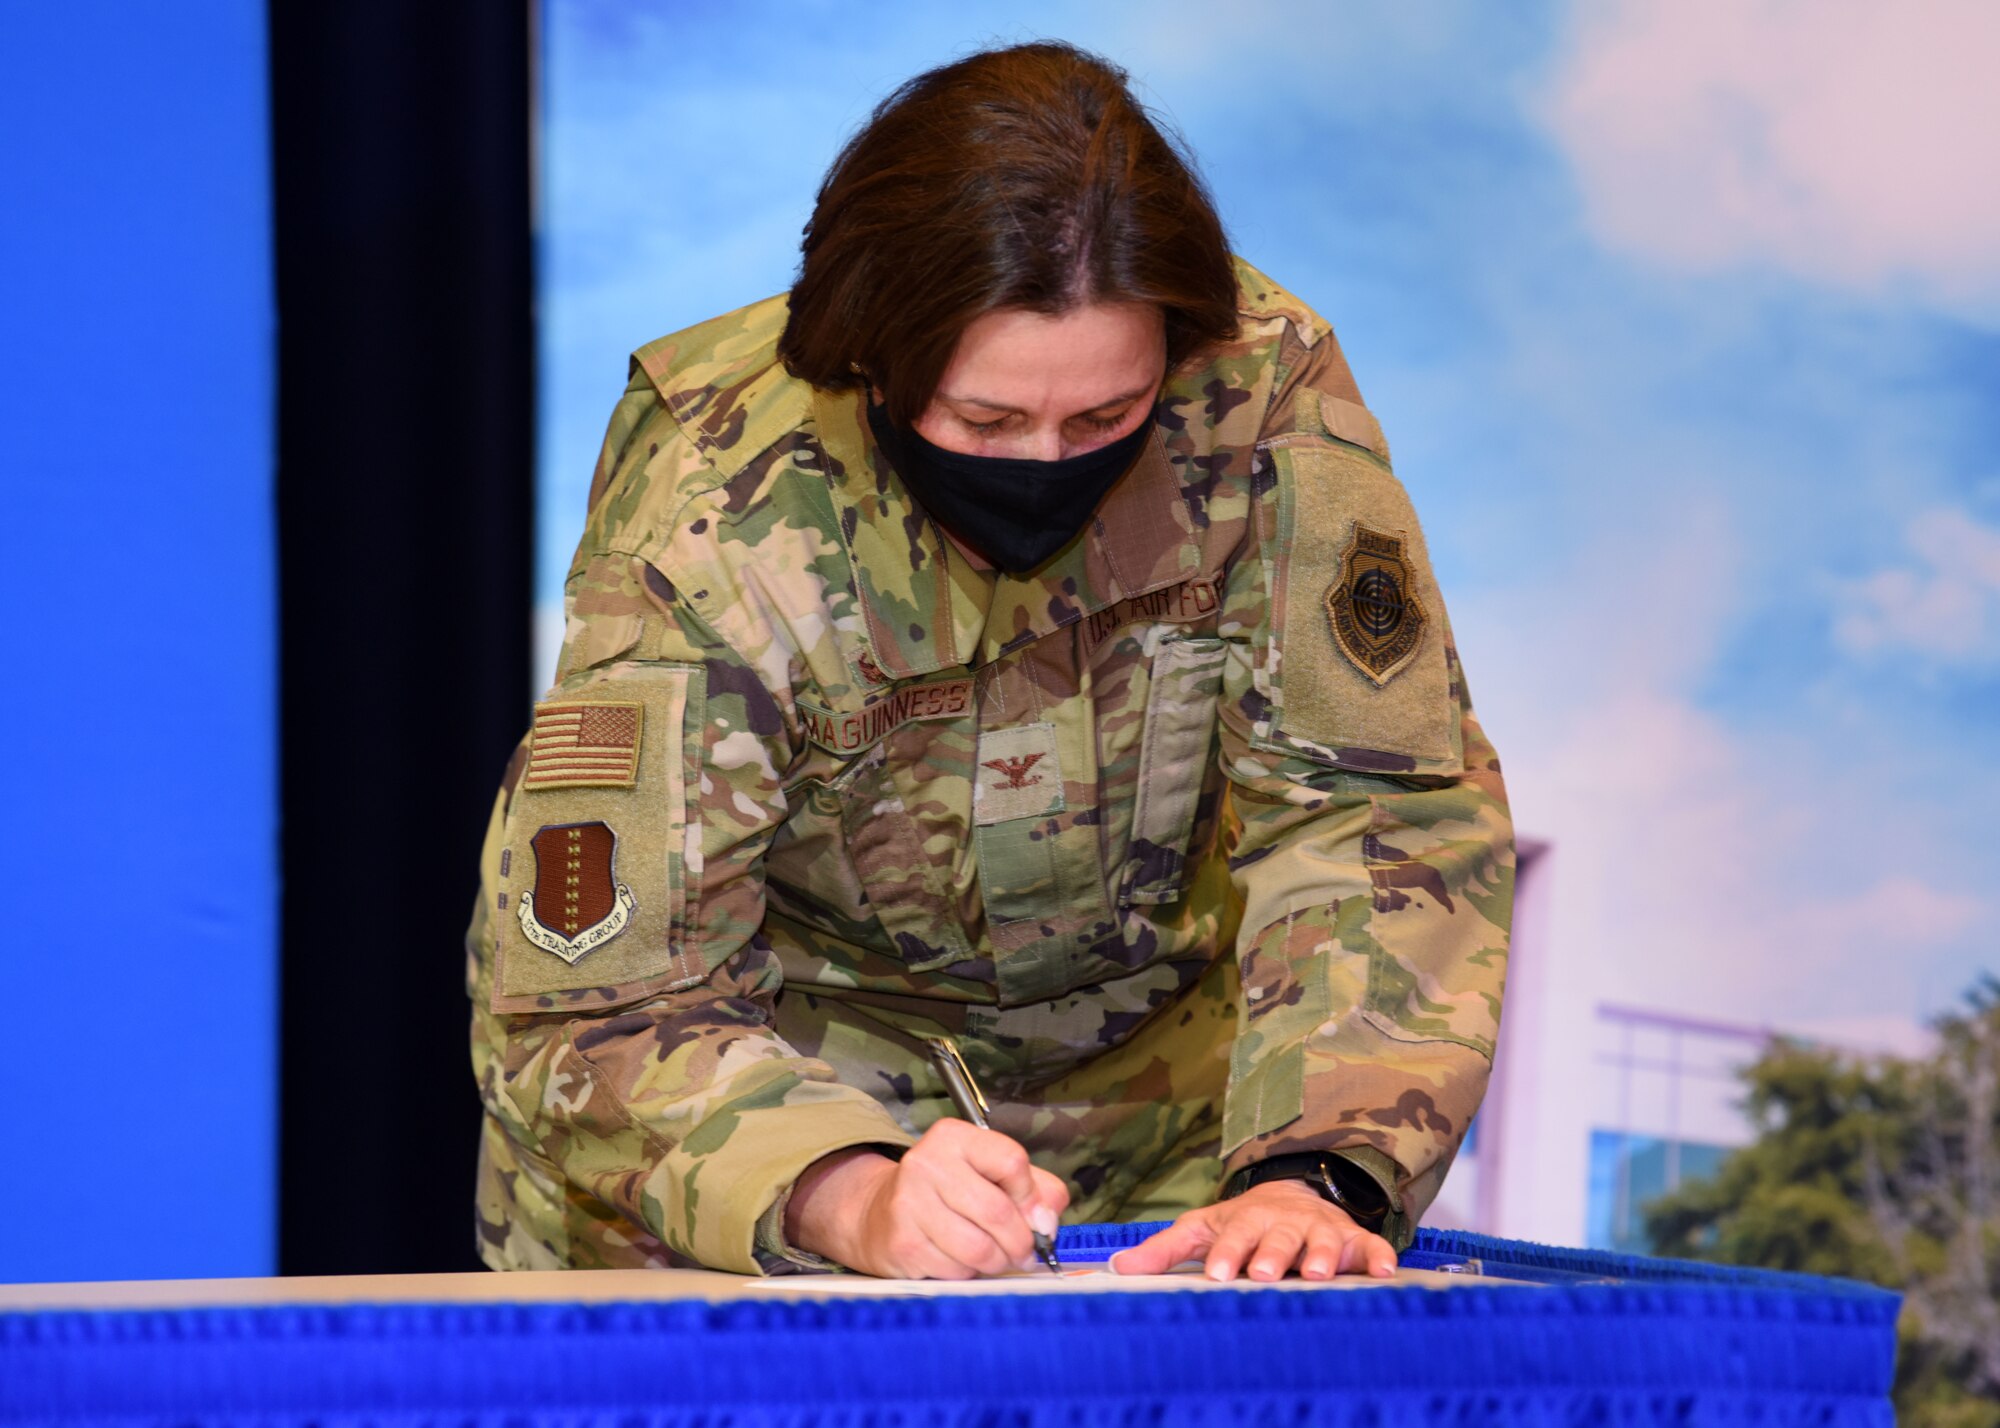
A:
(1016, 635)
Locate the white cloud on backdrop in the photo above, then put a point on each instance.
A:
(1851, 141)
(1631, 430)
(1942, 604)
(1804, 868)
(1783, 870)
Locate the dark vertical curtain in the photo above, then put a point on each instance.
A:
(401, 152)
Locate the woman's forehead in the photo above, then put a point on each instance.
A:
(1084, 358)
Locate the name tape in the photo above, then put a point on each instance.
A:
(949, 698)
(847, 733)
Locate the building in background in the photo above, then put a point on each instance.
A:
(1596, 1108)
(1666, 1097)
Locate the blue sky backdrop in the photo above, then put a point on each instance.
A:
(1683, 321)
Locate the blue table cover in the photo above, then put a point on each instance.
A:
(1665, 1342)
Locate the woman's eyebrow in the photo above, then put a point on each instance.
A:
(969, 401)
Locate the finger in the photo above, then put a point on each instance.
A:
(1233, 1246)
(985, 1207)
(1321, 1259)
(1185, 1239)
(1365, 1253)
(910, 1253)
(1000, 1159)
(1277, 1251)
(934, 1262)
(929, 1238)
(1051, 1197)
(968, 1247)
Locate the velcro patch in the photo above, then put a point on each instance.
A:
(577, 904)
(1378, 621)
(579, 745)
(850, 733)
(1178, 604)
(628, 907)
(1020, 774)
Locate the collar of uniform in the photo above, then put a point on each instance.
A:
(721, 381)
(928, 609)
(1140, 539)
(925, 606)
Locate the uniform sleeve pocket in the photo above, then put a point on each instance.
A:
(1173, 763)
(1442, 900)
(594, 874)
(1363, 673)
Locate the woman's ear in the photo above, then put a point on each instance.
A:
(874, 392)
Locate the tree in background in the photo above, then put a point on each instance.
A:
(1883, 1169)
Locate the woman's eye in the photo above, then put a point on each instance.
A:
(1091, 423)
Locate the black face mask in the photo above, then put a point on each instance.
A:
(1016, 513)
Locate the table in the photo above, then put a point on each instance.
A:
(1471, 1330)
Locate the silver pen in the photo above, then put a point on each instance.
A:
(971, 1103)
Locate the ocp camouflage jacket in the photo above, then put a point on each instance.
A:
(799, 744)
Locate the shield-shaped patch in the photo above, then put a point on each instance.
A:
(1377, 618)
(577, 904)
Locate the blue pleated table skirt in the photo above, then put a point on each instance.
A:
(1586, 1339)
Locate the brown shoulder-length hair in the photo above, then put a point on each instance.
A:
(1017, 178)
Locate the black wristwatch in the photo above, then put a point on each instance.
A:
(1338, 1180)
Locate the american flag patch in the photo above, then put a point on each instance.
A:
(584, 746)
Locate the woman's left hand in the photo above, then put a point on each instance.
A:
(1264, 1232)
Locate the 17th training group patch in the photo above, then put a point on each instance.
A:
(577, 904)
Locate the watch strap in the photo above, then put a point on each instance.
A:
(1338, 1181)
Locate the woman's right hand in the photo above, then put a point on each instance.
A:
(962, 1202)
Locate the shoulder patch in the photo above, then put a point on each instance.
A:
(583, 744)
(1378, 617)
(600, 874)
(577, 904)
(1362, 674)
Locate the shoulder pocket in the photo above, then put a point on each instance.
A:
(595, 872)
(1363, 679)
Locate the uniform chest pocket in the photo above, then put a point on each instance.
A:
(908, 886)
(1174, 755)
